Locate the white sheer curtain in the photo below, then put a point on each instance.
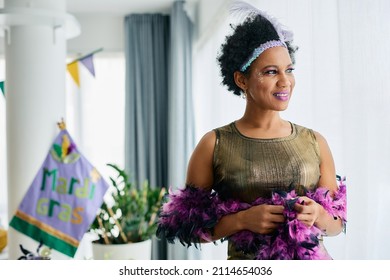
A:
(342, 91)
(95, 110)
(95, 119)
(180, 106)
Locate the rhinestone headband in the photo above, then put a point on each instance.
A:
(259, 50)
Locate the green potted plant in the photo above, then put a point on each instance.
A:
(127, 217)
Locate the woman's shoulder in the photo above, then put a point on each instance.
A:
(209, 139)
(225, 128)
(305, 130)
(315, 136)
(314, 133)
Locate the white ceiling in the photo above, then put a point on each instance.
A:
(115, 7)
(118, 7)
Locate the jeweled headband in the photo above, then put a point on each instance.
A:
(245, 10)
(256, 53)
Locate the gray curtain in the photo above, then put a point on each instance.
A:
(181, 119)
(146, 123)
(159, 121)
(146, 51)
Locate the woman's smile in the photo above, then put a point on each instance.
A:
(282, 95)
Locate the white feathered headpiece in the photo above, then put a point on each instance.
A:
(242, 10)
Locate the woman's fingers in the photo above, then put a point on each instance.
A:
(307, 211)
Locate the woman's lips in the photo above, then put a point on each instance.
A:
(282, 96)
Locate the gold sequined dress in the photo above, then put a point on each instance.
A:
(247, 168)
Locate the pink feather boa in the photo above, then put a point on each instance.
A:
(190, 215)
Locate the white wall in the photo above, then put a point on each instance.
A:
(210, 14)
(98, 31)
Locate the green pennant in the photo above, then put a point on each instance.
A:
(2, 87)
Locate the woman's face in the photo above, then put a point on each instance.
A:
(271, 80)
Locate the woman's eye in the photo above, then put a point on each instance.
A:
(290, 70)
(270, 72)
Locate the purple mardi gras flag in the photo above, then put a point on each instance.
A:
(63, 199)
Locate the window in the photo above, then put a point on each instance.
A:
(95, 110)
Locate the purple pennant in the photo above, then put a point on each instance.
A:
(88, 63)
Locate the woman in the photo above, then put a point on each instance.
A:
(261, 154)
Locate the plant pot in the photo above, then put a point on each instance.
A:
(130, 251)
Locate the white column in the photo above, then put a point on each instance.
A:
(35, 53)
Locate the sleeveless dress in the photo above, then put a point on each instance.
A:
(247, 168)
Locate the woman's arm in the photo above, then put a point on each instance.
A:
(200, 166)
(261, 219)
(312, 213)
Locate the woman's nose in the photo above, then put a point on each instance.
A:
(284, 81)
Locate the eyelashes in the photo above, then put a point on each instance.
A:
(274, 71)
(270, 72)
(290, 70)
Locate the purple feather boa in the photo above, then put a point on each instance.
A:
(190, 215)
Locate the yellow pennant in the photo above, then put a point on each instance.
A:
(73, 69)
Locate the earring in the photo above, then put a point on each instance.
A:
(243, 95)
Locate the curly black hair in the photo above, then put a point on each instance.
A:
(238, 46)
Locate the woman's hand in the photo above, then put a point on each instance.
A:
(308, 211)
(263, 219)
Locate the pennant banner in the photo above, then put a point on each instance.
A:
(63, 199)
(73, 69)
(87, 61)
